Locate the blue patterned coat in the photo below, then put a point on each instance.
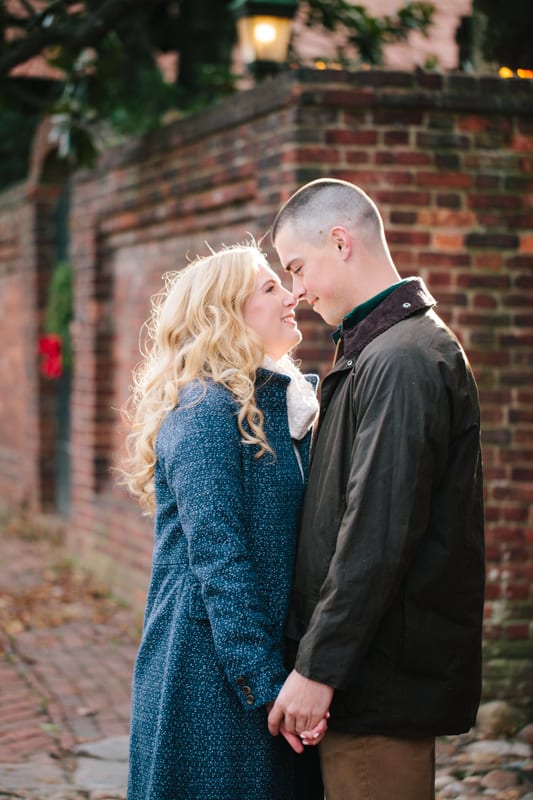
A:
(211, 654)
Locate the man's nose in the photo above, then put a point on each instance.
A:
(298, 290)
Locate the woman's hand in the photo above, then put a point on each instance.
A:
(294, 740)
(315, 736)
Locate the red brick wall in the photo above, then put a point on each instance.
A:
(26, 399)
(449, 160)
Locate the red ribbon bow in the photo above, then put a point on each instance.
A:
(50, 352)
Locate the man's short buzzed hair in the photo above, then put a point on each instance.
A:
(321, 204)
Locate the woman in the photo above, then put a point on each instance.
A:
(218, 452)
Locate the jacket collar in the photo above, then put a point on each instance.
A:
(409, 298)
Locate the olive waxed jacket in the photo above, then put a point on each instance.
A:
(388, 592)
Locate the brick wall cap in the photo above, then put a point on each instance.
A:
(308, 87)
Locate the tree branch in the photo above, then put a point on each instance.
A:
(29, 8)
(76, 31)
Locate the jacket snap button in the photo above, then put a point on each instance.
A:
(246, 690)
(349, 363)
(250, 699)
(407, 305)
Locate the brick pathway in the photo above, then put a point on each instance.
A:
(66, 653)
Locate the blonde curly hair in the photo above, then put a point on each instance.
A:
(196, 331)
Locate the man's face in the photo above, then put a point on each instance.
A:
(319, 274)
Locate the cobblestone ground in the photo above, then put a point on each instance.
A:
(66, 655)
(67, 651)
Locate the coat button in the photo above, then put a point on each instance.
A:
(246, 690)
(241, 681)
(250, 699)
(349, 363)
(406, 305)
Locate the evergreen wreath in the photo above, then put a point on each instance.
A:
(56, 345)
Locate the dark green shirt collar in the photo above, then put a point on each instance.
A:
(357, 314)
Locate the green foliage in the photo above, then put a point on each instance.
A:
(133, 108)
(113, 88)
(365, 35)
(16, 135)
(507, 32)
(212, 82)
(59, 309)
(124, 88)
(130, 97)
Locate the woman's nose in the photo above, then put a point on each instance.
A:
(289, 299)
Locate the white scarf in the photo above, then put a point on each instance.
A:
(302, 404)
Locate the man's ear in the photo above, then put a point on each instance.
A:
(342, 241)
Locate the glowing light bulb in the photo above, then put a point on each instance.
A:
(265, 33)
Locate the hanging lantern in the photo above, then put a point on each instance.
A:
(264, 32)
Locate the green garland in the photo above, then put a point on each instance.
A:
(59, 309)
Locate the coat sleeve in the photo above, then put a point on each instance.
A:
(203, 465)
(402, 422)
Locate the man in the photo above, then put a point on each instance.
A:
(388, 592)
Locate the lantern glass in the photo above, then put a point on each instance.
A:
(264, 38)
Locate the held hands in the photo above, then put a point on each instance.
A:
(316, 735)
(301, 711)
(297, 741)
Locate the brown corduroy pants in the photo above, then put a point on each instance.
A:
(377, 767)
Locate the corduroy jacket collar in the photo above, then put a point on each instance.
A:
(409, 298)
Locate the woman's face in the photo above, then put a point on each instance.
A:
(269, 311)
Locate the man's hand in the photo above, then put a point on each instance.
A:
(307, 738)
(300, 705)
